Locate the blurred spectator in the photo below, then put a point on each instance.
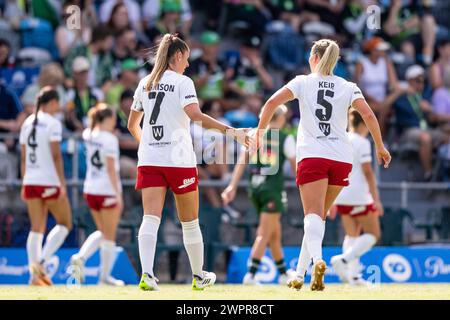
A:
(98, 54)
(67, 39)
(82, 97)
(6, 61)
(128, 80)
(119, 19)
(47, 10)
(124, 48)
(133, 8)
(168, 22)
(442, 61)
(153, 8)
(441, 101)
(248, 75)
(11, 11)
(411, 21)
(206, 71)
(413, 113)
(253, 13)
(329, 11)
(375, 74)
(354, 19)
(11, 114)
(246, 115)
(128, 145)
(289, 11)
(50, 75)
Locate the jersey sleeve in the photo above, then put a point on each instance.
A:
(289, 147)
(296, 86)
(187, 93)
(137, 99)
(356, 93)
(365, 152)
(56, 132)
(112, 147)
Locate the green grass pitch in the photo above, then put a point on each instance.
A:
(225, 292)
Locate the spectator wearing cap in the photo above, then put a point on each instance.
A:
(247, 75)
(99, 56)
(11, 114)
(128, 80)
(442, 61)
(375, 75)
(6, 61)
(169, 21)
(82, 97)
(414, 113)
(51, 75)
(206, 70)
(152, 8)
(128, 145)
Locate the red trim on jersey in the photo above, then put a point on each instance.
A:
(41, 192)
(355, 211)
(180, 180)
(313, 169)
(97, 202)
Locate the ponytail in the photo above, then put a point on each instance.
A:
(169, 45)
(328, 53)
(46, 95)
(98, 114)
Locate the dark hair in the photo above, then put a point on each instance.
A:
(169, 45)
(116, 7)
(98, 114)
(4, 42)
(355, 119)
(121, 32)
(127, 94)
(100, 32)
(46, 95)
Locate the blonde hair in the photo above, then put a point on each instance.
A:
(168, 46)
(98, 113)
(51, 75)
(328, 52)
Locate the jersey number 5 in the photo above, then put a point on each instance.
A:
(157, 107)
(325, 113)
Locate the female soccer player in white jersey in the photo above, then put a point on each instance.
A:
(102, 191)
(167, 100)
(324, 152)
(359, 206)
(44, 185)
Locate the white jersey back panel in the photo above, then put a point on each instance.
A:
(166, 139)
(357, 192)
(324, 102)
(39, 165)
(99, 145)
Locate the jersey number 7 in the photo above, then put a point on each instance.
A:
(157, 107)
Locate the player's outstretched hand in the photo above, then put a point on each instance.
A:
(228, 195)
(241, 135)
(383, 155)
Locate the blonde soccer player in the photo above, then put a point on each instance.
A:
(324, 152)
(102, 192)
(44, 185)
(359, 206)
(166, 101)
(266, 191)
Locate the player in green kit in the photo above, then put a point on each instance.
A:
(266, 190)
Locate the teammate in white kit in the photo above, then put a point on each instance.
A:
(44, 185)
(359, 206)
(324, 152)
(102, 191)
(167, 101)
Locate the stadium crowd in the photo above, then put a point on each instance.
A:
(243, 50)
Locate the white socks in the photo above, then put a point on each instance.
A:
(90, 245)
(314, 228)
(304, 259)
(193, 243)
(55, 239)
(361, 245)
(148, 233)
(34, 247)
(107, 258)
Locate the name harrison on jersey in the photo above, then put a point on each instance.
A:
(163, 87)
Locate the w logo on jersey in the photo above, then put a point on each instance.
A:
(158, 132)
(325, 128)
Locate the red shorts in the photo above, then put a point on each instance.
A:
(180, 180)
(355, 211)
(313, 169)
(41, 192)
(97, 202)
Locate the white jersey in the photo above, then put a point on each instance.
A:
(40, 168)
(324, 102)
(99, 146)
(357, 193)
(166, 140)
